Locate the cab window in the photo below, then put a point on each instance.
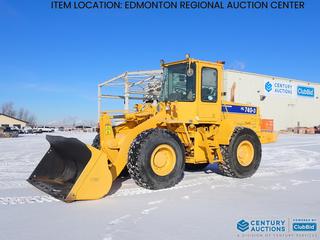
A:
(209, 85)
(178, 84)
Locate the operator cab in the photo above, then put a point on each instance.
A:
(191, 80)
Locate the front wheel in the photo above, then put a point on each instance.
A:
(242, 156)
(156, 159)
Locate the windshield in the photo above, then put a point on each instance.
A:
(177, 84)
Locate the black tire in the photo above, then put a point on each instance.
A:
(195, 167)
(139, 164)
(96, 142)
(231, 166)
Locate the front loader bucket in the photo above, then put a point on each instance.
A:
(72, 170)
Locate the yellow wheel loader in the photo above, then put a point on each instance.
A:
(190, 124)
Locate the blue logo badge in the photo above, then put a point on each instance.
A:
(268, 86)
(242, 225)
(304, 226)
(305, 91)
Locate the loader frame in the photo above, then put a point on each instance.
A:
(203, 134)
(205, 130)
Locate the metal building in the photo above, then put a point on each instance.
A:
(290, 102)
(7, 121)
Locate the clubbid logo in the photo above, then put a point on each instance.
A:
(268, 86)
(305, 91)
(242, 225)
(304, 225)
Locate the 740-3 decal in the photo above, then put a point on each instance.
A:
(239, 109)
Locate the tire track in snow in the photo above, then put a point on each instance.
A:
(197, 179)
(121, 193)
(26, 200)
(290, 144)
(140, 191)
(14, 185)
(291, 162)
(287, 146)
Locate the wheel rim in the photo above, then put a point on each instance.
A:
(245, 153)
(163, 160)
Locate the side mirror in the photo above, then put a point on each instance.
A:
(190, 72)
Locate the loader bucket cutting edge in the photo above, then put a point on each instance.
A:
(72, 170)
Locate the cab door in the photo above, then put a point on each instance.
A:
(209, 89)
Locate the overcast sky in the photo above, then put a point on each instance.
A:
(52, 60)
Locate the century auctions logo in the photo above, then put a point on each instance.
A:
(268, 86)
(242, 225)
(278, 228)
(284, 88)
(268, 225)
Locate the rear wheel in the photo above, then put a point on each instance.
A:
(156, 159)
(242, 156)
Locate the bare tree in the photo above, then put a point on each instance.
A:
(8, 109)
(23, 114)
(31, 120)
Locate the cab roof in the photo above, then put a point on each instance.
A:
(192, 60)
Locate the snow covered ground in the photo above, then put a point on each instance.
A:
(204, 205)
